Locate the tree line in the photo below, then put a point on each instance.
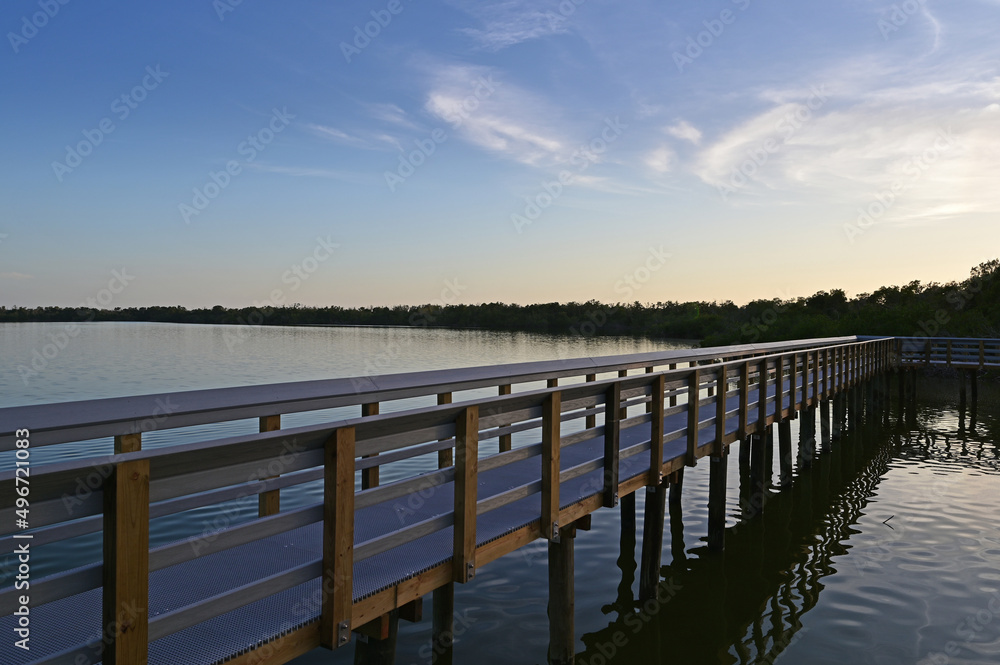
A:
(968, 308)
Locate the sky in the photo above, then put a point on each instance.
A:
(242, 152)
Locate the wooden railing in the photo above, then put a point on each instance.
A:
(124, 491)
(960, 353)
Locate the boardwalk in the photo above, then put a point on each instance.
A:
(270, 589)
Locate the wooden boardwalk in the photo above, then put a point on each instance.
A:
(267, 590)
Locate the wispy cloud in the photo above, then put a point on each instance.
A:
(511, 22)
(510, 121)
(363, 140)
(934, 140)
(685, 131)
(306, 172)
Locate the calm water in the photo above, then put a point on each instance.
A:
(887, 551)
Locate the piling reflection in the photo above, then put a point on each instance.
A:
(747, 604)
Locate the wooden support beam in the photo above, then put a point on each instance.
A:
(656, 432)
(412, 611)
(269, 503)
(561, 607)
(443, 630)
(612, 427)
(694, 416)
(338, 539)
(466, 494)
(654, 515)
(125, 591)
(504, 439)
(717, 476)
(129, 443)
(785, 452)
(381, 650)
(551, 411)
(552, 383)
(445, 457)
(369, 477)
(807, 437)
(591, 420)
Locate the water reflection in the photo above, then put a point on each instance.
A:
(748, 604)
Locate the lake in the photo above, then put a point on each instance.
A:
(886, 551)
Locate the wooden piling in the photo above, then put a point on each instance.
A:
(380, 649)
(716, 501)
(825, 425)
(654, 515)
(785, 452)
(443, 628)
(562, 638)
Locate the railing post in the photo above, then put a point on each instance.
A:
(656, 429)
(591, 420)
(982, 354)
(744, 399)
(445, 457)
(694, 417)
(612, 430)
(126, 564)
(722, 383)
(466, 494)
(649, 404)
(337, 587)
(927, 352)
(815, 382)
(370, 476)
(673, 397)
(793, 383)
(505, 439)
(128, 443)
(779, 386)
(551, 423)
(949, 353)
(269, 503)
(761, 394)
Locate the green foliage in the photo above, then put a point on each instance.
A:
(970, 308)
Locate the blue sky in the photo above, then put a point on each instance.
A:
(409, 151)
